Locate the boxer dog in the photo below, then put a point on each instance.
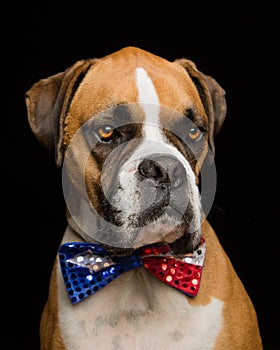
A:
(139, 265)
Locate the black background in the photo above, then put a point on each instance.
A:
(235, 42)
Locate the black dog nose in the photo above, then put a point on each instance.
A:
(163, 170)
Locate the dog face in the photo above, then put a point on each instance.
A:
(132, 131)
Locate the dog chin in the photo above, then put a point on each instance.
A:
(171, 231)
(165, 230)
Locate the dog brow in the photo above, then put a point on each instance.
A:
(113, 112)
(196, 118)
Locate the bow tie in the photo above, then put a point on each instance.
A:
(87, 267)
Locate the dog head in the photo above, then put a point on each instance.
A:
(131, 131)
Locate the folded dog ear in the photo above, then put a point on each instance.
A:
(48, 102)
(212, 96)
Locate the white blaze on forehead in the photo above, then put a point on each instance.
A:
(149, 101)
(146, 90)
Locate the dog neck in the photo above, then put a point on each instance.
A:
(136, 300)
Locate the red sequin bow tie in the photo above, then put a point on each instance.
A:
(88, 267)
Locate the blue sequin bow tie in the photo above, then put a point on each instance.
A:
(86, 267)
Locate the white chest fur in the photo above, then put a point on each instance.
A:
(137, 311)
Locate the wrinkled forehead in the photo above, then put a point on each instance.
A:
(133, 89)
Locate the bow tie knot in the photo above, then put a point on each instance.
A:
(88, 267)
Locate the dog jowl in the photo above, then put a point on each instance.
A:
(132, 132)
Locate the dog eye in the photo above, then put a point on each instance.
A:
(195, 134)
(106, 133)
